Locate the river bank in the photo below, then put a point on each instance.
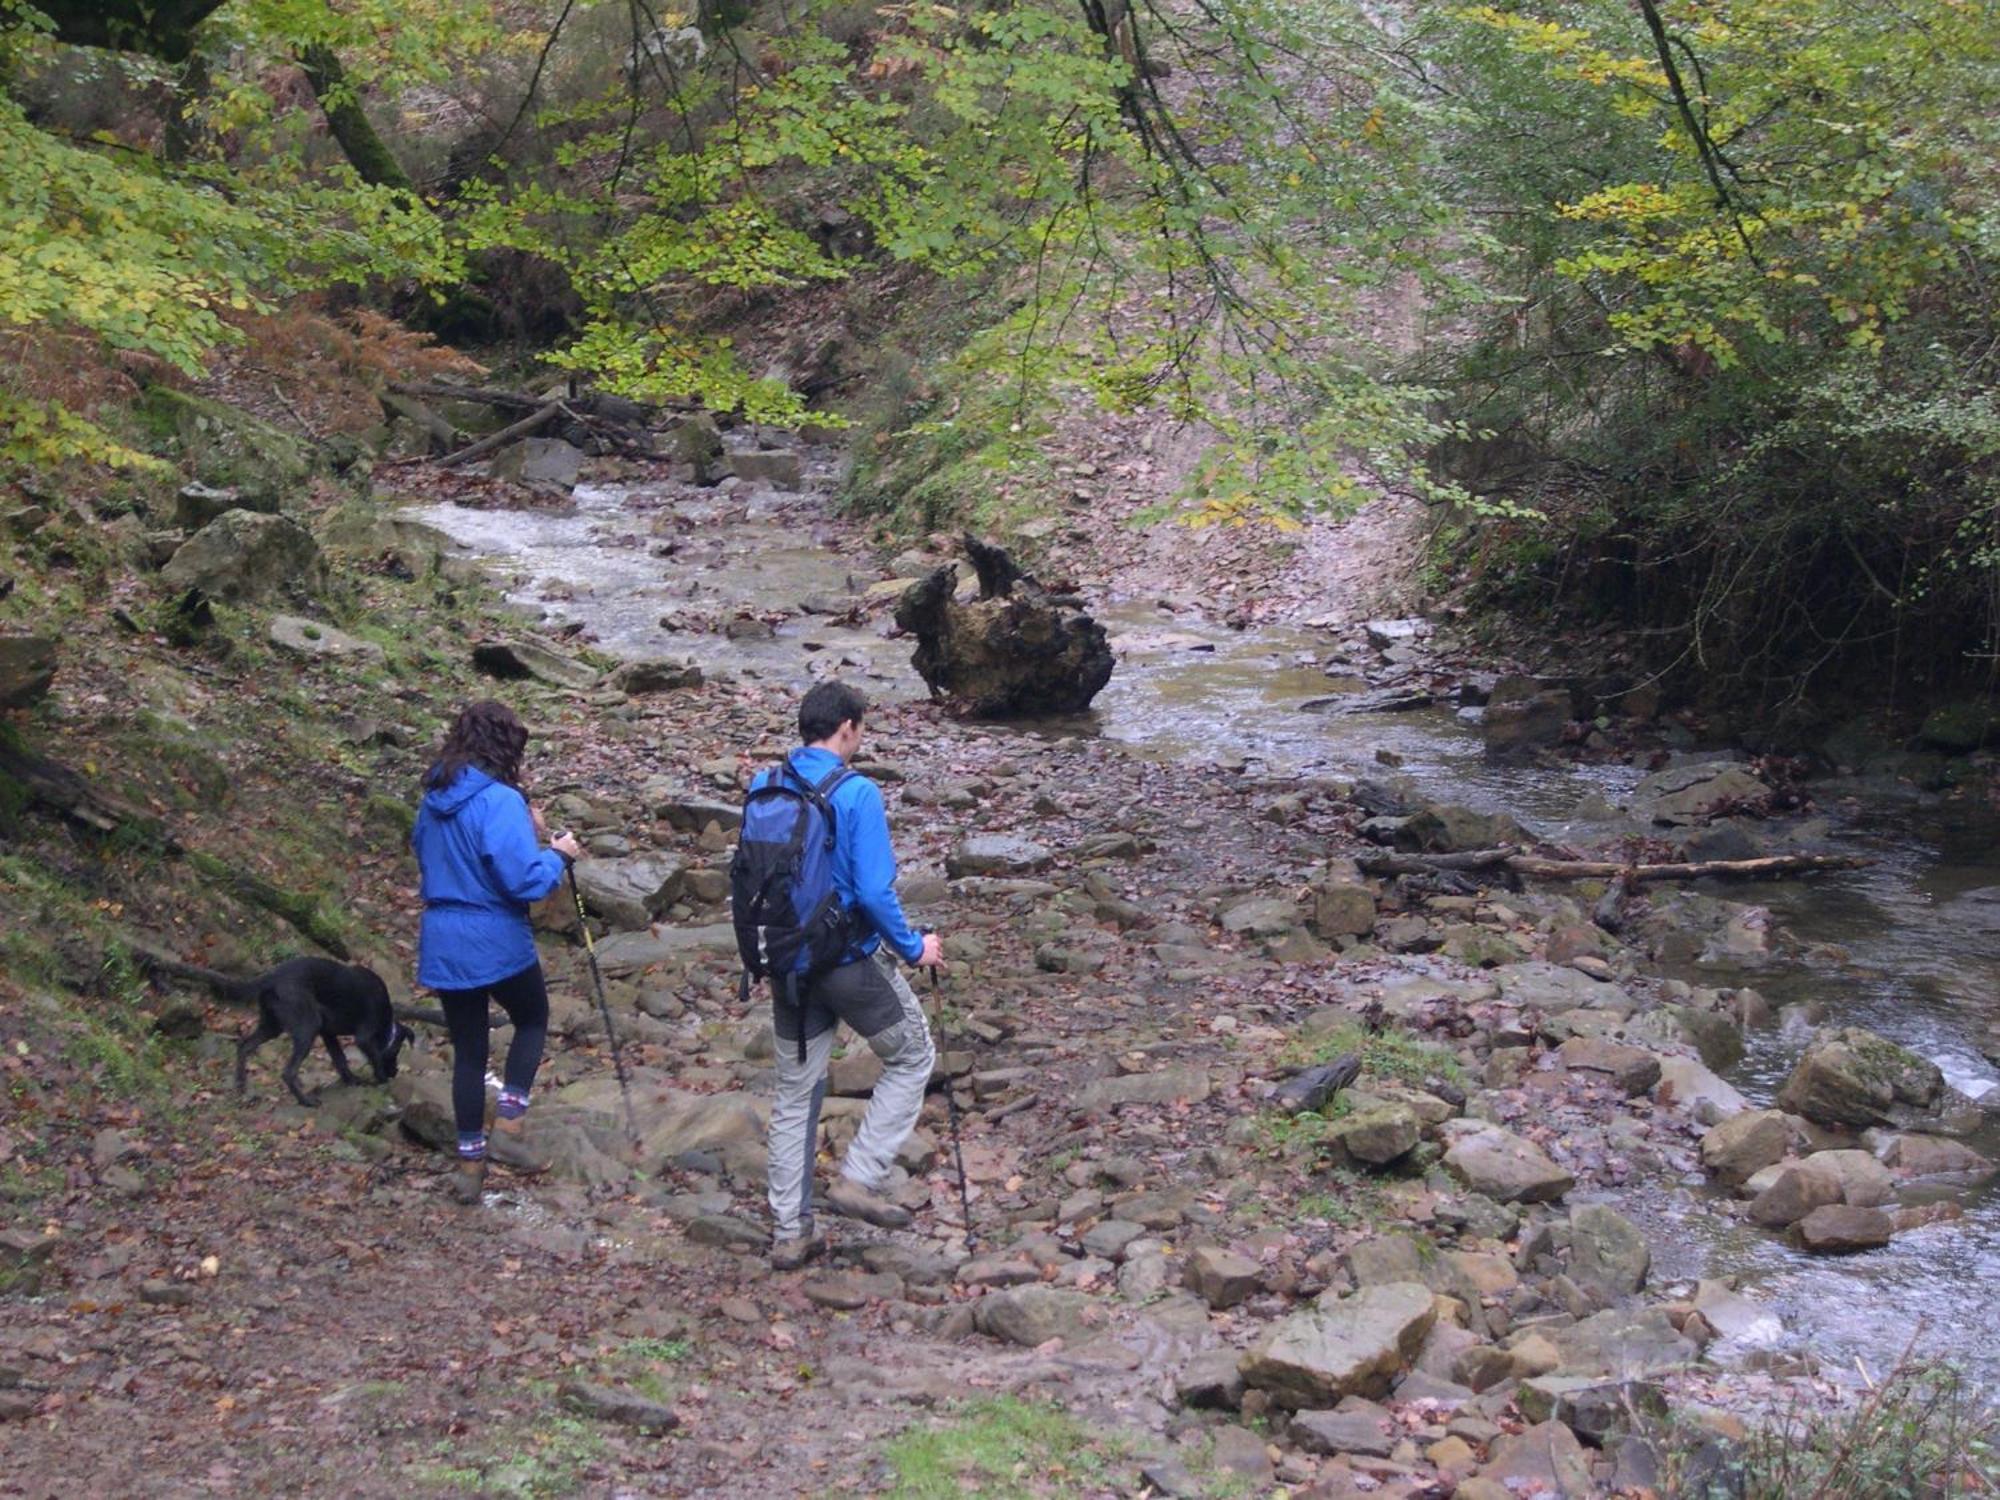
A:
(1151, 919)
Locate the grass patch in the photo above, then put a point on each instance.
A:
(658, 1351)
(546, 1459)
(1391, 1054)
(1922, 1430)
(1004, 1449)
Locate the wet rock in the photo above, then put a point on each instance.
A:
(1187, 1084)
(1852, 1077)
(1506, 1168)
(1620, 1342)
(1932, 1158)
(1841, 1229)
(1445, 828)
(1716, 1037)
(1516, 729)
(1032, 1315)
(630, 893)
(1862, 1179)
(1544, 1460)
(1692, 794)
(997, 854)
(1380, 1134)
(1342, 1346)
(1607, 1251)
(1222, 1278)
(1016, 650)
(1795, 1192)
(243, 554)
(513, 660)
(1745, 1144)
(655, 675)
(1735, 1316)
(777, 467)
(1211, 1380)
(1633, 1069)
(27, 668)
(610, 1404)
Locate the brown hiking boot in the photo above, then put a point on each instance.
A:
(849, 1197)
(507, 1143)
(468, 1180)
(791, 1252)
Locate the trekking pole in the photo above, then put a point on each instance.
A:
(604, 1009)
(957, 1149)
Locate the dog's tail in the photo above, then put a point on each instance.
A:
(228, 990)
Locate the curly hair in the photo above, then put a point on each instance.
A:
(487, 735)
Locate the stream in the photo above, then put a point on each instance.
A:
(1908, 947)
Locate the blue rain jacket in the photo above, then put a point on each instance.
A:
(482, 867)
(864, 866)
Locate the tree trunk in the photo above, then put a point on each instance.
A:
(349, 123)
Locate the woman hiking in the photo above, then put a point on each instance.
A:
(478, 846)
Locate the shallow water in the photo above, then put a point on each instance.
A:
(1909, 947)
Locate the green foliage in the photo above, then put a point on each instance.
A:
(1921, 1430)
(1391, 1054)
(999, 1448)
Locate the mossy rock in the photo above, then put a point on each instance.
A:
(1962, 726)
(227, 448)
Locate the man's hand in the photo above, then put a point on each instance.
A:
(933, 955)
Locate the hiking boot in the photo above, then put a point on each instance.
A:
(468, 1180)
(508, 1144)
(791, 1252)
(849, 1197)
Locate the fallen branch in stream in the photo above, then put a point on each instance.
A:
(1607, 869)
(503, 437)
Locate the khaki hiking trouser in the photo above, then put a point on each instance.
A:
(873, 998)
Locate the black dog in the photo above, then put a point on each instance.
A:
(304, 998)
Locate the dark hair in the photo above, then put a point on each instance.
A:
(826, 707)
(486, 734)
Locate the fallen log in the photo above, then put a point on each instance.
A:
(1309, 1090)
(1540, 868)
(509, 434)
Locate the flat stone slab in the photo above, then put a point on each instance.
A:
(1342, 1346)
(1167, 1086)
(629, 952)
(1506, 1168)
(997, 854)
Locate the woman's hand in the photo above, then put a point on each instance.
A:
(541, 823)
(566, 845)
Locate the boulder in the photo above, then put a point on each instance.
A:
(1963, 726)
(310, 638)
(1379, 1134)
(695, 440)
(1852, 1077)
(655, 675)
(996, 854)
(1932, 1158)
(1863, 1181)
(225, 448)
(1633, 1069)
(1445, 828)
(1341, 909)
(538, 461)
(1341, 1346)
(27, 668)
(1746, 1144)
(629, 893)
(1506, 1168)
(1545, 1460)
(1015, 651)
(1692, 1086)
(1841, 1229)
(1607, 1251)
(1795, 1192)
(1211, 1380)
(1693, 794)
(1357, 1425)
(244, 554)
(514, 660)
(1517, 728)
(1590, 1406)
(1221, 1278)
(1622, 1342)
(778, 467)
(1269, 916)
(1032, 1315)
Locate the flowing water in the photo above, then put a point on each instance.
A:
(1909, 947)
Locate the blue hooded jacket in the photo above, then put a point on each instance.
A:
(482, 867)
(864, 864)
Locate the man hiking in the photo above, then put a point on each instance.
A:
(814, 891)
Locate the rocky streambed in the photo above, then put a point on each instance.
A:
(1604, 1144)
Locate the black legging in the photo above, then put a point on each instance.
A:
(525, 998)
